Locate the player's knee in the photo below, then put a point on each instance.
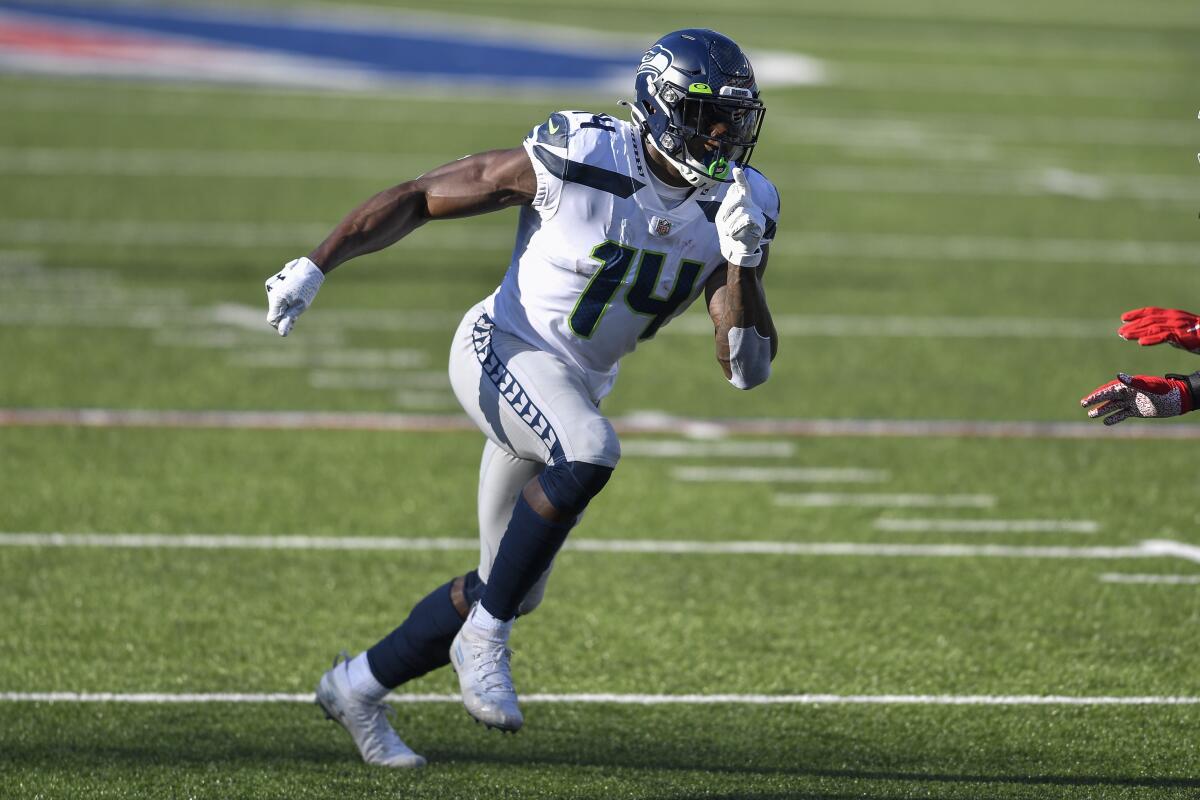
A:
(571, 485)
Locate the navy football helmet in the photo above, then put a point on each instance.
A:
(698, 104)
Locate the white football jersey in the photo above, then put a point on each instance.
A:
(599, 263)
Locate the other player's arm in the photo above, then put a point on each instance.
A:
(472, 185)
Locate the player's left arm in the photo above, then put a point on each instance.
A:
(745, 334)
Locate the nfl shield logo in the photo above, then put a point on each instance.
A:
(660, 226)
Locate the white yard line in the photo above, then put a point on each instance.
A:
(522, 108)
(891, 525)
(194, 541)
(841, 326)
(1188, 552)
(972, 127)
(975, 79)
(378, 380)
(635, 423)
(169, 233)
(1174, 580)
(121, 311)
(862, 500)
(1017, 250)
(666, 448)
(779, 474)
(425, 399)
(1010, 182)
(337, 165)
(631, 699)
(363, 358)
(156, 163)
(941, 126)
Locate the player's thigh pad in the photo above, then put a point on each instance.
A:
(528, 401)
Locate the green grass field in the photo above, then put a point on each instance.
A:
(969, 204)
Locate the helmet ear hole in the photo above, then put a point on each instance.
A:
(650, 110)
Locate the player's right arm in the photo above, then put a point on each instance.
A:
(745, 333)
(472, 185)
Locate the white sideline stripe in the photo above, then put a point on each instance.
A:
(852, 500)
(665, 448)
(635, 423)
(1121, 577)
(780, 474)
(833, 244)
(192, 541)
(633, 699)
(1166, 547)
(986, 525)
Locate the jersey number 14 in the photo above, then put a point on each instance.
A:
(640, 297)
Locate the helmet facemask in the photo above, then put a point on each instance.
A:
(717, 131)
(707, 132)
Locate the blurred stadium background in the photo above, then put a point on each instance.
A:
(972, 194)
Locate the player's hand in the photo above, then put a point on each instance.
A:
(1138, 396)
(1157, 325)
(290, 291)
(740, 224)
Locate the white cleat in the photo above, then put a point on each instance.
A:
(366, 722)
(484, 676)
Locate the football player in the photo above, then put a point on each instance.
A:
(1149, 395)
(622, 225)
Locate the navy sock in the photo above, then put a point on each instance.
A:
(422, 642)
(528, 547)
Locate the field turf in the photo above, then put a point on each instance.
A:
(969, 204)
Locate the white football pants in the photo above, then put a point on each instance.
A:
(535, 410)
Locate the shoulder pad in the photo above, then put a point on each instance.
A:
(554, 131)
(760, 183)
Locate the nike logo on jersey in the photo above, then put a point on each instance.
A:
(554, 131)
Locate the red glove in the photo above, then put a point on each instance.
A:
(1139, 396)
(1157, 325)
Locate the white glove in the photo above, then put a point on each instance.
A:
(740, 224)
(290, 292)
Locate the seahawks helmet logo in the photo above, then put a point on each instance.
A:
(656, 61)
